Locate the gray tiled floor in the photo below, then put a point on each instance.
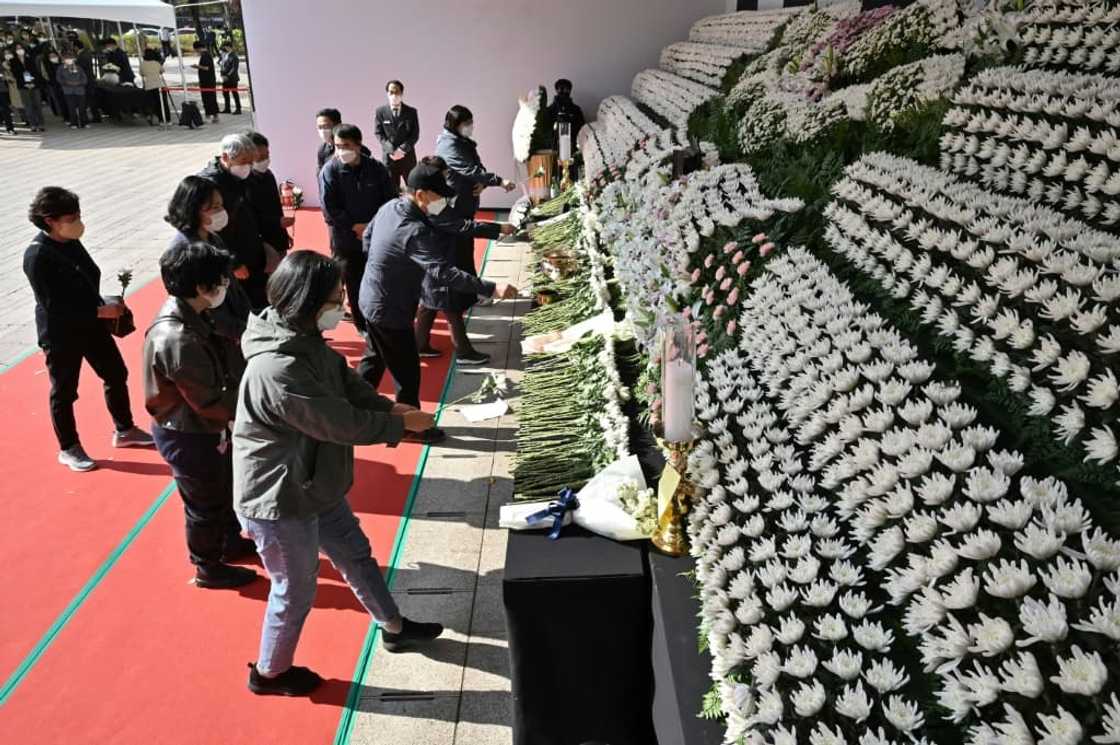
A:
(458, 692)
(123, 173)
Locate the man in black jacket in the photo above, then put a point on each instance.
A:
(325, 122)
(114, 55)
(403, 248)
(264, 196)
(398, 130)
(242, 236)
(230, 77)
(352, 188)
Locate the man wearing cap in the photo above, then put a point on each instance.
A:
(402, 247)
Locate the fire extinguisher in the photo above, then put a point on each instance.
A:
(287, 196)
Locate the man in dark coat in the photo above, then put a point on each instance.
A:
(114, 55)
(242, 236)
(352, 188)
(85, 61)
(207, 80)
(264, 197)
(230, 77)
(403, 248)
(325, 122)
(398, 130)
(564, 109)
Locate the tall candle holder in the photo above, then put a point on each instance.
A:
(564, 138)
(678, 379)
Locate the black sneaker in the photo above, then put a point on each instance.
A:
(430, 352)
(223, 577)
(412, 633)
(472, 358)
(237, 549)
(295, 681)
(427, 437)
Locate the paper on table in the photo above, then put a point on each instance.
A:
(482, 412)
(554, 342)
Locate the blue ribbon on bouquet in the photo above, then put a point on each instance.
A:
(556, 510)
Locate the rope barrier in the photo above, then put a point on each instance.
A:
(195, 89)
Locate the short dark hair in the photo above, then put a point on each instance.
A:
(348, 132)
(107, 41)
(258, 139)
(333, 114)
(191, 195)
(435, 161)
(301, 285)
(52, 202)
(397, 83)
(562, 83)
(456, 116)
(186, 267)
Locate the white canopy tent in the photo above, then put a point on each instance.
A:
(147, 12)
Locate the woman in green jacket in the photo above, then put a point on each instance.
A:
(300, 412)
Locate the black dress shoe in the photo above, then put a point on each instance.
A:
(412, 634)
(223, 577)
(427, 437)
(295, 681)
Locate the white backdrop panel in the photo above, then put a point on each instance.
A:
(480, 53)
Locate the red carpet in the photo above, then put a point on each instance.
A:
(149, 657)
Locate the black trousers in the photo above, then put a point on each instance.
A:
(347, 249)
(399, 169)
(227, 89)
(425, 317)
(393, 350)
(64, 365)
(75, 109)
(204, 476)
(209, 100)
(6, 114)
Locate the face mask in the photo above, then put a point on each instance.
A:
(218, 221)
(329, 319)
(68, 62)
(436, 207)
(326, 134)
(261, 166)
(242, 171)
(19, 52)
(219, 297)
(394, 100)
(348, 156)
(467, 130)
(54, 60)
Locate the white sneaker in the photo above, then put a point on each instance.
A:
(76, 459)
(133, 438)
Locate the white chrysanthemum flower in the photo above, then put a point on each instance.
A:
(1110, 723)
(1081, 674)
(1103, 392)
(845, 664)
(961, 517)
(1022, 675)
(1103, 552)
(1071, 371)
(1061, 729)
(760, 641)
(808, 699)
(982, 685)
(935, 488)
(958, 458)
(903, 714)
(1014, 730)
(1044, 622)
(801, 663)
(1039, 541)
(1007, 580)
(954, 696)
(766, 670)
(782, 597)
(1069, 422)
(980, 546)
(1010, 514)
(822, 735)
(819, 595)
(1068, 578)
(884, 677)
(1043, 401)
(873, 637)
(1102, 446)
(790, 631)
(768, 709)
(991, 636)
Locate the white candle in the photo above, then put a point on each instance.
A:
(677, 400)
(565, 146)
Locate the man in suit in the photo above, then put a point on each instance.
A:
(325, 122)
(114, 55)
(398, 129)
(231, 77)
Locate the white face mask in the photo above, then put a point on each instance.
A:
(326, 134)
(218, 221)
(395, 100)
(467, 130)
(329, 319)
(436, 207)
(218, 297)
(348, 156)
(242, 171)
(261, 166)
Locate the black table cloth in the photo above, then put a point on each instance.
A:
(115, 100)
(578, 615)
(680, 671)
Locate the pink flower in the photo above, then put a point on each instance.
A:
(701, 337)
(744, 268)
(719, 311)
(731, 326)
(730, 247)
(709, 298)
(687, 313)
(651, 389)
(721, 273)
(709, 261)
(759, 238)
(765, 249)
(656, 404)
(702, 350)
(695, 276)
(739, 256)
(733, 297)
(725, 284)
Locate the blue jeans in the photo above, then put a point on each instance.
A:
(289, 550)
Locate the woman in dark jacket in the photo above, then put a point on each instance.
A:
(191, 376)
(469, 178)
(69, 316)
(452, 227)
(197, 212)
(300, 412)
